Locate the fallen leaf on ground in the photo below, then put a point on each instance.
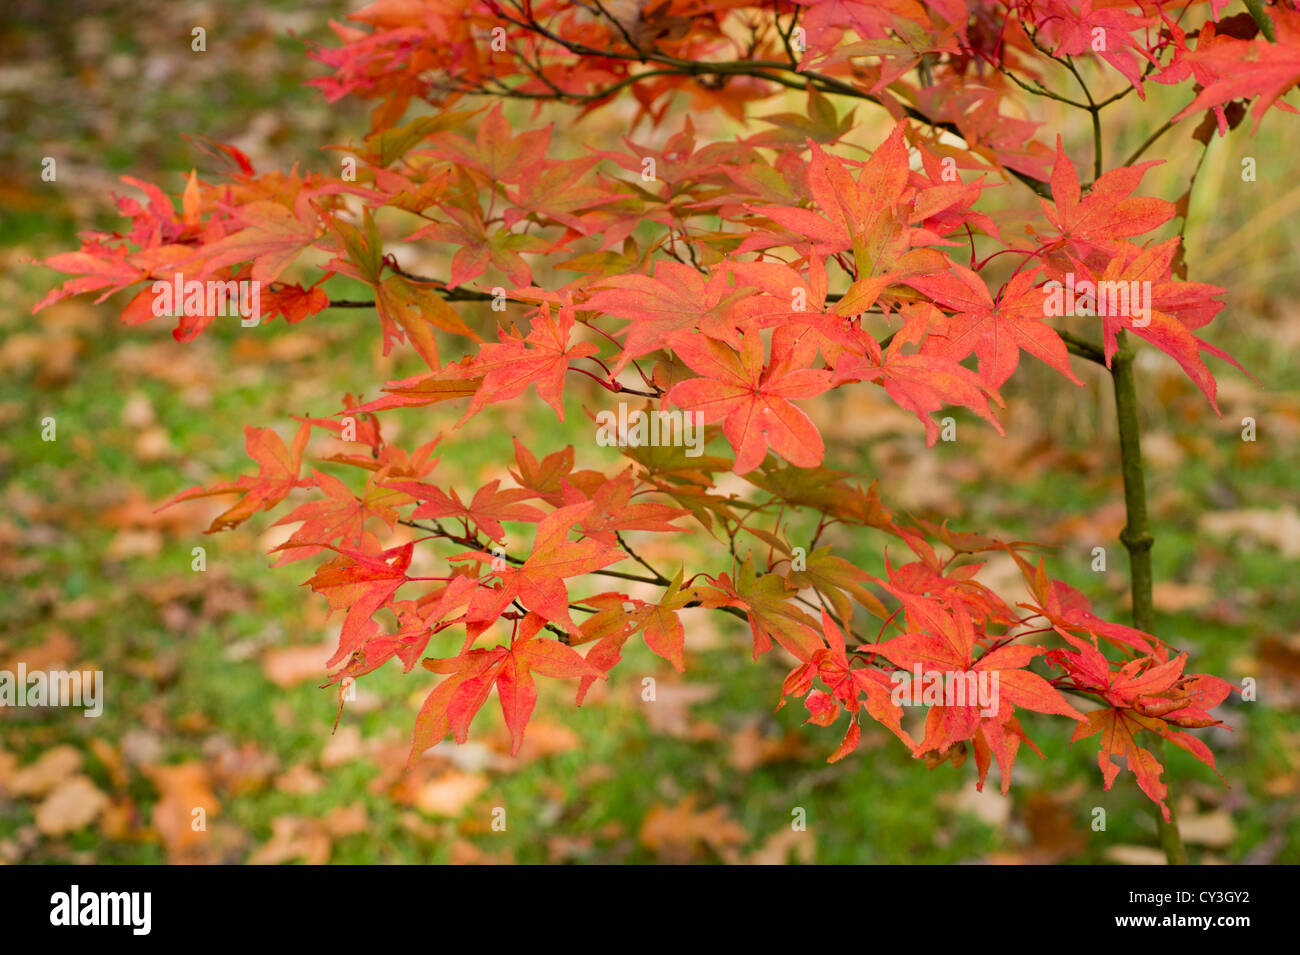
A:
(74, 803)
(681, 833)
(1214, 829)
(669, 712)
(1279, 529)
(184, 788)
(343, 747)
(299, 780)
(241, 769)
(450, 793)
(121, 821)
(1135, 855)
(1053, 826)
(293, 838)
(287, 666)
(55, 650)
(51, 768)
(1173, 597)
(750, 748)
(778, 848)
(989, 806)
(543, 739)
(344, 821)
(466, 853)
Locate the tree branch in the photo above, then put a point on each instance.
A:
(1137, 540)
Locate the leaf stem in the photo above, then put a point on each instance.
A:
(1261, 18)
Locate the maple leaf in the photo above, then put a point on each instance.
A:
(358, 427)
(341, 517)
(418, 621)
(753, 402)
(826, 490)
(500, 153)
(1260, 69)
(668, 310)
(846, 687)
(360, 583)
(479, 250)
(767, 601)
(1118, 729)
(956, 588)
(920, 382)
(294, 302)
(856, 215)
(1067, 610)
(485, 511)
(995, 331)
(1110, 211)
(615, 511)
(417, 311)
(508, 368)
(1167, 312)
(427, 389)
(546, 479)
(1142, 694)
(945, 651)
(272, 237)
(618, 618)
(99, 268)
(277, 475)
(836, 579)
(552, 191)
(1070, 28)
(471, 676)
(539, 582)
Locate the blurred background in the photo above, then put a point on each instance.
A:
(211, 678)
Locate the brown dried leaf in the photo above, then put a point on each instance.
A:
(292, 838)
(680, 833)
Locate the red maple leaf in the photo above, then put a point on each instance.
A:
(1109, 212)
(485, 511)
(508, 368)
(277, 475)
(1159, 310)
(996, 331)
(945, 651)
(847, 687)
(472, 675)
(752, 401)
(616, 511)
(1230, 68)
(672, 308)
(921, 382)
(538, 584)
(272, 237)
(361, 583)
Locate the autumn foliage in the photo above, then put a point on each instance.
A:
(781, 265)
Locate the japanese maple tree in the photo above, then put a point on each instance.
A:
(736, 280)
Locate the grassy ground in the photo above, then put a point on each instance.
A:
(211, 688)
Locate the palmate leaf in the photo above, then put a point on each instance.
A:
(472, 676)
(753, 401)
